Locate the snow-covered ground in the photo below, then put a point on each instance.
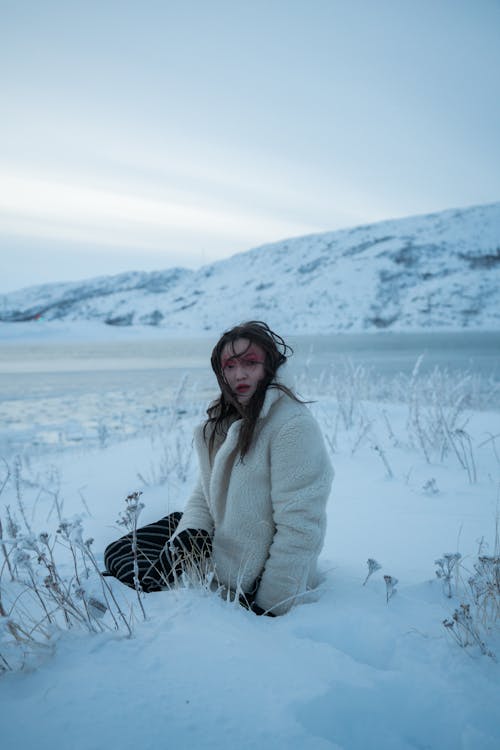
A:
(349, 669)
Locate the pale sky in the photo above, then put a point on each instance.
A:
(144, 135)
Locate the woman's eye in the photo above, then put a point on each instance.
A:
(249, 363)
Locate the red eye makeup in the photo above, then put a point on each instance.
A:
(247, 359)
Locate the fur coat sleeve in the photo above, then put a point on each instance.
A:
(301, 476)
(197, 513)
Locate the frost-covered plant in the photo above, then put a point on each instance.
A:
(3, 484)
(373, 566)
(329, 428)
(43, 595)
(436, 421)
(43, 599)
(390, 586)
(492, 439)
(464, 629)
(102, 433)
(430, 487)
(174, 459)
(446, 567)
(461, 443)
(383, 457)
(392, 436)
(474, 621)
(351, 384)
(485, 588)
(129, 518)
(194, 572)
(363, 430)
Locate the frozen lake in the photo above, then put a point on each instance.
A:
(64, 391)
(32, 369)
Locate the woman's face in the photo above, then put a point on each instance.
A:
(243, 367)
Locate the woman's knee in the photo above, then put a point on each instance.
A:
(151, 540)
(115, 550)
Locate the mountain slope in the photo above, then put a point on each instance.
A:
(436, 271)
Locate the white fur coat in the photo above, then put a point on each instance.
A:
(266, 514)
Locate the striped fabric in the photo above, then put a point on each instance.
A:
(153, 561)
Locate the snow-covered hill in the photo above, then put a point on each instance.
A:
(436, 271)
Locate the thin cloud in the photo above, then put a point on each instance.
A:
(30, 205)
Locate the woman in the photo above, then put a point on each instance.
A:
(258, 509)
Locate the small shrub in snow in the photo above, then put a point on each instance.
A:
(430, 487)
(485, 587)
(44, 596)
(173, 461)
(464, 629)
(461, 443)
(350, 384)
(446, 566)
(363, 430)
(129, 518)
(474, 621)
(390, 586)
(436, 421)
(390, 581)
(373, 566)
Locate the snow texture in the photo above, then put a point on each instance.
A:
(348, 669)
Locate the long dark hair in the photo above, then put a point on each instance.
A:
(227, 408)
